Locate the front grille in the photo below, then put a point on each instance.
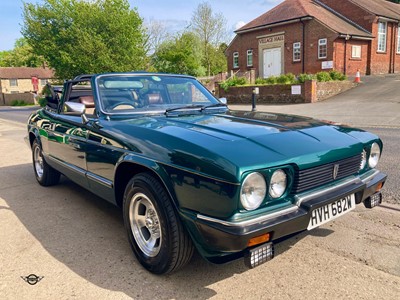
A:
(314, 177)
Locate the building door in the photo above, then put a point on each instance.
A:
(272, 62)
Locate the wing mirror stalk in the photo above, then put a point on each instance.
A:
(77, 109)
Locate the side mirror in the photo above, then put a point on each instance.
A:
(74, 108)
(223, 100)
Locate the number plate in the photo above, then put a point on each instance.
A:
(326, 213)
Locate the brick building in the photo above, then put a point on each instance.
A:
(308, 36)
(19, 82)
(15, 80)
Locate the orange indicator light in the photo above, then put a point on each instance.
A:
(378, 187)
(258, 240)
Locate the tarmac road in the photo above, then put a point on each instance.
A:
(17, 113)
(77, 242)
(374, 103)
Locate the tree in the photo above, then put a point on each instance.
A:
(210, 28)
(156, 34)
(21, 56)
(180, 55)
(395, 1)
(77, 37)
(217, 58)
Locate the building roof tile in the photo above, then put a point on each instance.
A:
(25, 73)
(382, 8)
(297, 9)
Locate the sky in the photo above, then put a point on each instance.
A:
(176, 14)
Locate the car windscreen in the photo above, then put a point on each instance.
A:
(125, 94)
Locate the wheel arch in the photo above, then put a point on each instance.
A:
(129, 168)
(34, 134)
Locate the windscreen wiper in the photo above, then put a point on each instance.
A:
(187, 107)
(214, 105)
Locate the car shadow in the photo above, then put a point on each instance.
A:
(86, 234)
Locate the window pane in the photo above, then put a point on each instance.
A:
(356, 51)
(249, 58)
(398, 39)
(236, 59)
(322, 48)
(296, 51)
(381, 37)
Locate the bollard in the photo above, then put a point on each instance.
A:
(256, 91)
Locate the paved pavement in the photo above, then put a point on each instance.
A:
(374, 103)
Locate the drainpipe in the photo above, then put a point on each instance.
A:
(395, 49)
(302, 46)
(1, 93)
(345, 53)
(393, 46)
(391, 50)
(345, 56)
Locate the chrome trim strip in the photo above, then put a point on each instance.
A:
(101, 180)
(68, 166)
(370, 177)
(310, 195)
(82, 172)
(299, 199)
(257, 220)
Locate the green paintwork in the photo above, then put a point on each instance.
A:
(201, 158)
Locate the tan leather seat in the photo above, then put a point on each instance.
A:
(89, 103)
(154, 98)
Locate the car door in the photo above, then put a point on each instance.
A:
(66, 140)
(67, 145)
(102, 155)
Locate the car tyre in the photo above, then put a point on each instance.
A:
(156, 235)
(44, 174)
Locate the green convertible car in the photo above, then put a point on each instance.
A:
(190, 173)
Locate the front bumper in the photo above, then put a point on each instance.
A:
(222, 241)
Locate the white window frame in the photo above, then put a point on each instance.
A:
(322, 43)
(43, 82)
(235, 60)
(398, 39)
(382, 36)
(13, 82)
(356, 51)
(297, 51)
(249, 58)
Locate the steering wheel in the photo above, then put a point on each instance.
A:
(122, 105)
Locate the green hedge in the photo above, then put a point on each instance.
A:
(288, 78)
(234, 81)
(19, 103)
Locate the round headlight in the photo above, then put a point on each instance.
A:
(374, 155)
(363, 160)
(253, 191)
(277, 186)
